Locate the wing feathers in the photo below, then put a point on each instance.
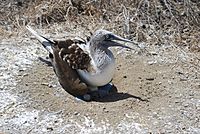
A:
(47, 44)
(66, 56)
(68, 77)
(73, 55)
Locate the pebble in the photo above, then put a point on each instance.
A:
(150, 79)
(183, 79)
(45, 84)
(154, 53)
(76, 113)
(50, 128)
(152, 62)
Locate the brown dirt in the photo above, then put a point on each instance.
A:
(151, 98)
(158, 90)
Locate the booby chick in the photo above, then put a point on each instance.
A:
(82, 66)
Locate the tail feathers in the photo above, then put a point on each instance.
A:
(47, 44)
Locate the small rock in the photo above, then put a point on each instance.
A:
(159, 83)
(154, 53)
(45, 84)
(50, 86)
(105, 110)
(21, 70)
(178, 72)
(150, 79)
(50, 128)
(183, 79)
(76, 113)
(25, 74)
(152, 62)
(185, 104)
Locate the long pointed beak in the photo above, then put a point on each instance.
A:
(112, 43)
(118, 38)
(115, 44)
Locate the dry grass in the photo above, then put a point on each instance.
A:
(154, 22)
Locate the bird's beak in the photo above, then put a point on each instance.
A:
(118, 38)
(112, 43)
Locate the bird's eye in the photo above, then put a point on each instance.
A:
(107, 36)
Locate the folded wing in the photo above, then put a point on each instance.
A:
(66, 57)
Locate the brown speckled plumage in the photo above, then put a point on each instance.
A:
(67, 57)
(71, 53)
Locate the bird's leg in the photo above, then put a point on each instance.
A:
(106, 90)
(103, 91)
(96, 93)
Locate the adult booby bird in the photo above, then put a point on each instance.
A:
(82, 66)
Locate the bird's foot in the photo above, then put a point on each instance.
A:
(102, 91)
(106, 90)
(110, 87)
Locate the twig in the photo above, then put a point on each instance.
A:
(126, 16)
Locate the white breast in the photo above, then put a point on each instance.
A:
(101, 77)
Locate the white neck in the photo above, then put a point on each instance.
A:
(104, 64)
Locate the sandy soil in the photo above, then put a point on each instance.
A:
(157, 93)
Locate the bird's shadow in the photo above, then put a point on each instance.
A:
(117, 96)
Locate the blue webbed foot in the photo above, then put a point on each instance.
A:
(102, 91)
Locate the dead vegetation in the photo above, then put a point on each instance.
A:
(151, 22)
(128, 16)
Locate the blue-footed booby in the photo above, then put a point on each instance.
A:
(83, 65)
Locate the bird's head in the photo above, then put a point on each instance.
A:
(107, 39)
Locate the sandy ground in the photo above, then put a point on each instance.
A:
(157, 93)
